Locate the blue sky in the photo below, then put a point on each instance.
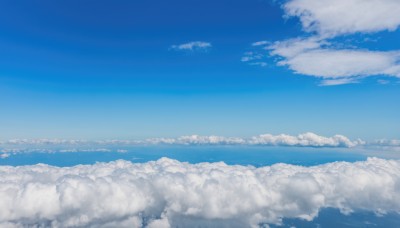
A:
(109, 69)
(211, 113)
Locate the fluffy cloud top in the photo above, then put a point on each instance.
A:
(192, 46)
(336, 17)
(168, 193)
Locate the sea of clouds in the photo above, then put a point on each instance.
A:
(169, 193)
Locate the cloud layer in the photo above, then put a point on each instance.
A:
(305, 139)
(168, 193)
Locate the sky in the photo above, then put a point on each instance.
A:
(211, 113)
(100, 70)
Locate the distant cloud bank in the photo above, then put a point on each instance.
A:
(192, 46)
(308, 139)
(304, 140)
(168, 193)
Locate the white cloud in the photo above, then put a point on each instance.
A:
(336, 17)
(315, 57)
(262, 64)
(388, 142)
(45, 141)
(327, 19)
(198, 139)
(7, 152)
(332, 63)
(385, 145)
(293, 47)
(250, 56)
(338, 81)
(306, 139)
(168, 193)
(254, 58)
(192, 46)
(4, 155)
(260, 43)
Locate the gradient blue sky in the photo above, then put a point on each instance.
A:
(106, 69)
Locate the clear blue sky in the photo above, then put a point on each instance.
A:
(108, 69)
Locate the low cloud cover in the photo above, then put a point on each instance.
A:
(168, 193)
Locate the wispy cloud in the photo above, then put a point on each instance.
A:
(254, 58)
(192, 46)
(169, 193)
(250, 56)
(315, 57)
(260, 43)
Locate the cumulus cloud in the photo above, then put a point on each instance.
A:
(337, 17)
(192, 46)
(168, 193)
(306, 139)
